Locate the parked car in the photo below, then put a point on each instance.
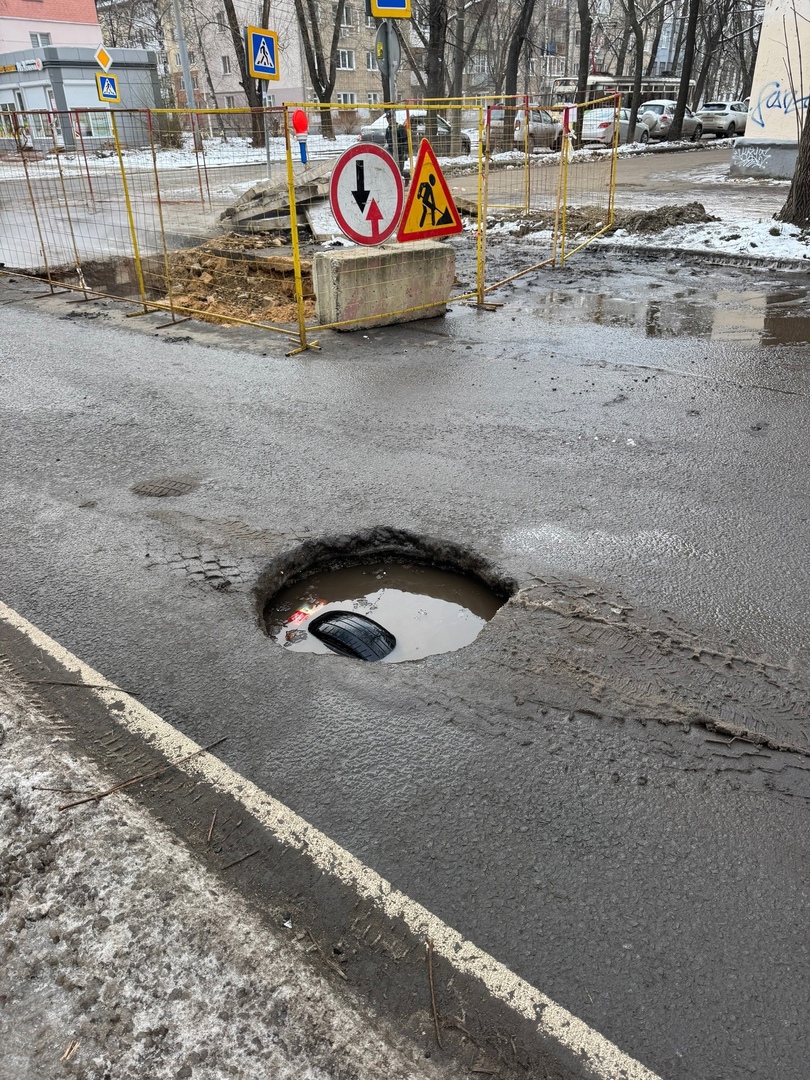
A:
(598, 126)
(416, 118)
(724, 119)
(658, 116)
(544, 129)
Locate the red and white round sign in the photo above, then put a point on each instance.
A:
(366, 194)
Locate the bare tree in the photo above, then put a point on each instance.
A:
(322, 69)
(686, 71)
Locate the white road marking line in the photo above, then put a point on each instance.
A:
(602, 1057)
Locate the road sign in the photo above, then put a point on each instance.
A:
(102, 58)
(366, 193)
(262, 53)
(107, 86)
(430, 211)
(391, 9)
(388, 51)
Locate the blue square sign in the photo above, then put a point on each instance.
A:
(391, 9)
(262, 53)
(107, 86)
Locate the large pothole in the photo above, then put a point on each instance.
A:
(379, 595)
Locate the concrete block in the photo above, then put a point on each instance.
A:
(373, 284)
(768, 159)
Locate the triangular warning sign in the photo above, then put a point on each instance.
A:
(430, 210)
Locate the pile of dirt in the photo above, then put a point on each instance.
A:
(590, 219)
(238, 277)
(664, 217)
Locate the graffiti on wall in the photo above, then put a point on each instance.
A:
(751, 157)
(774, 97)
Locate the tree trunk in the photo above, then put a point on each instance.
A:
(322, 74)
(248, 85)
(516, 44)
(796, 210)
(638, 39)
(621, 55)
(581, 95)
(656, 41)
(686, 73)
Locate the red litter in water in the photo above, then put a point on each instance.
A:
(304, 612)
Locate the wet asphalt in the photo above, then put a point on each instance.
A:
(637, 463)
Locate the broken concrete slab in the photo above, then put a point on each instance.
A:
(265, 207)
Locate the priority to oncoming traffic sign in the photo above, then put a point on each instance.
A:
(366, 194)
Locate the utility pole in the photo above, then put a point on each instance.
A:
(185, 67)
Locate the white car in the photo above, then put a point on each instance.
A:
(724, 119)
(599, 125)
(658, 116)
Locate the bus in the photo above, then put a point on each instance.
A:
(653, 88)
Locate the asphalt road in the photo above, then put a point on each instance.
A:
(552, 791)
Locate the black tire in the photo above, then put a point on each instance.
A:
(349, 634)
(466, 146)
(532, 145)
(556, 146)
(697, 135)
(644, 138)
(732, 131)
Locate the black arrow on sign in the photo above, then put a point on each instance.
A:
(361, 193)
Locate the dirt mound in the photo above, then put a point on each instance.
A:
(238, 277)
(665, 217)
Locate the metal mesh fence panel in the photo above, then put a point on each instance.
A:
(436, 149)
(225, 215)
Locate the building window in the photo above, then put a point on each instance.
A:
(39, 41)
(345, 59)
(230, 101)
(347, 99)
(177, 59)
(347, 16)
(371, 63)
(191, 58)
(195, 80)
(374, 99)
(371, 22)
(222, 20)
(226, 65)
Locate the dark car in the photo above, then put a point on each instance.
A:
(416, 119)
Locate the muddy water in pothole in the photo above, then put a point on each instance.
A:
(746, 317)
(427, 610)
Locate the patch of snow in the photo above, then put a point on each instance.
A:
(130, 958)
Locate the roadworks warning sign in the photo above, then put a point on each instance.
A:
(430, 210)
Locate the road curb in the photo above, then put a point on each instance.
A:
(700, 255)
(276, 856)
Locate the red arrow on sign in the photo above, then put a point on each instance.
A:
(374, 216)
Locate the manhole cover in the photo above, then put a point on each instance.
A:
(165, 487)
(381, 611)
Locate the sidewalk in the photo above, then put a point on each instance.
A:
(124, 957)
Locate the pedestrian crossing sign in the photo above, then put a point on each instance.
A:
(262, 53)
(430, 211)
(107, 86)
(391, 9)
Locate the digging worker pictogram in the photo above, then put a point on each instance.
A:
(428, 200)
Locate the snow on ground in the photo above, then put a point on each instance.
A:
(124, 957)
(756, 238)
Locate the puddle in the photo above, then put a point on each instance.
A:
(428, 611)
(747, 317)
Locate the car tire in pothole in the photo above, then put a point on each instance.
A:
(349, 634)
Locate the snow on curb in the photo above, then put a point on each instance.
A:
(123, 957)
